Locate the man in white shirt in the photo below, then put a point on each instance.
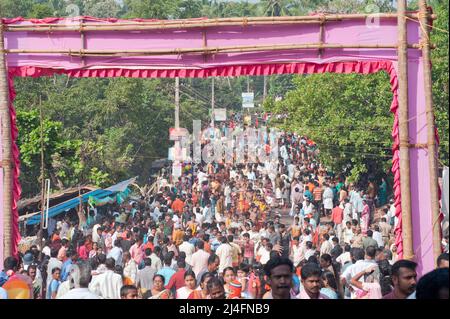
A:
(345, 256)
(53, 263)
(326, 246)
(80, 277)
(199, 260)
(207, 214)
(309, 250)
(297, 251)
(108, 284)
(360, 265)
(188, 248)
(156, 261)
(116, 252)
(225, 254)
(347, 233)
(348, 211)
(377, 236)
(264, 251)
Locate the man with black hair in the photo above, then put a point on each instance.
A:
(116, 252)
(187, 248)
(369, 241)
(199, 260)
(128, 292)
(442, 261)
(225, 254)
(108, 284)
(326, 246)
(310, 277)
(156, 260)
(212, 266)
(404, 279)
(81, 277)
(310, 251)
(144, 278)
(166, 270)
(434, 285)
(53, 262)
(337, 250)
(72, 257)
(279, 272)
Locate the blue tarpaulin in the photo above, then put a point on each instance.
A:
(74, 202)
(66, 206)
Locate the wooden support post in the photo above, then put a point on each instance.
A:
(205, 45)
(7, 161)
(405, 183)
(321, 35)
(83, 43)
(432, 147)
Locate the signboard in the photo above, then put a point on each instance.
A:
(176, 134)
(247, 99)
(171, 154)
(220, 115)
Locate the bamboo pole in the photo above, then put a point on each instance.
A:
(432, 147)
(405, 182)
(184, 24)
(42, 177)
(7, 161)
(208, 50)
(321, 37)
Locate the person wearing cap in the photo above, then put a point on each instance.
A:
(234, 290)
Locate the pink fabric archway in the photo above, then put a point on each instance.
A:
(296, 61)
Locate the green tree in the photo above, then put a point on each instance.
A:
(346, 115)
(439, 60)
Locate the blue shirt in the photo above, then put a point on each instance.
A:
(66, 269)
(330, 293)
(53, 287)
(3, 293)
(167, 272)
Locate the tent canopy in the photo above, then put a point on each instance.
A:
(74, 202)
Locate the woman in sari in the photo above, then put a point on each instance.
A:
(365, 216)
(158, 291)
(202, 291)
(189, 285)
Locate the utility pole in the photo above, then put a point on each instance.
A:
(177, 102)
(212, 102)
(42, 177)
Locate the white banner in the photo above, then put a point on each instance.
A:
(220, 115)
(247, 99)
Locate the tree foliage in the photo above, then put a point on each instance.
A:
(346, 115)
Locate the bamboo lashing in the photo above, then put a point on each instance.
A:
(207, 50)
(405, 178)
(185, 24)
(432, 148)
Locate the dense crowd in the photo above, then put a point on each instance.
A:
(289, 229)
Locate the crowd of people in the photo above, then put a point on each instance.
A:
(289, 229)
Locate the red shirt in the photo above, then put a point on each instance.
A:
(337, 215)
(177, 280)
